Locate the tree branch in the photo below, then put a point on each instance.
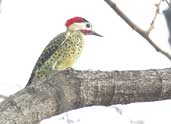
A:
(168, 3)
(135, 27)
(67, 90)
(155, 17)
(3, 96)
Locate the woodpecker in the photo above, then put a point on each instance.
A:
(62, 51)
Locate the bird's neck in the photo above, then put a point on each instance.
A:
(70, 32)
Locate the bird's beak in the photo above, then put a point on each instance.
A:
(94, 33)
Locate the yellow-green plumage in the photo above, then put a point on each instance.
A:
(61, 53)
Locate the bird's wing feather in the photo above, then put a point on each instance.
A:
(50, 49)
(47, 52)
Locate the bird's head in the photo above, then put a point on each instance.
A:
(82, 25)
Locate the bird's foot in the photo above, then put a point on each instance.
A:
(69, 69)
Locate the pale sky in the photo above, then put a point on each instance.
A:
(26, 27)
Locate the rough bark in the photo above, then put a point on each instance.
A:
(70, 89)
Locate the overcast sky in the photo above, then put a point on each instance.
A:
(26, 27)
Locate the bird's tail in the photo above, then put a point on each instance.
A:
(30, 79)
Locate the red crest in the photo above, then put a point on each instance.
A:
(73, 20)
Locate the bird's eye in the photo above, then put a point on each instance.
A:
(88, 25)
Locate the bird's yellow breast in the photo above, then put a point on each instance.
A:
(69, 51)
(64, 56)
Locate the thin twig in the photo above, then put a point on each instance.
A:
(168, 3)
(137, 28)
(155, 17)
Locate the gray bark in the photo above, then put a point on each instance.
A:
(70, 89)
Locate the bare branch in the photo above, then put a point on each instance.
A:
(155, 17)
(67, 90)
(137, 28)
(3, 97)
(168, 3)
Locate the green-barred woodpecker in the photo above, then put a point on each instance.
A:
(62, 51)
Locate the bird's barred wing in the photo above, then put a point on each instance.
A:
(47, 52)
(50, 49)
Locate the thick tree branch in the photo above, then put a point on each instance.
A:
(135, 27)
(67, 90)
(3, 96)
